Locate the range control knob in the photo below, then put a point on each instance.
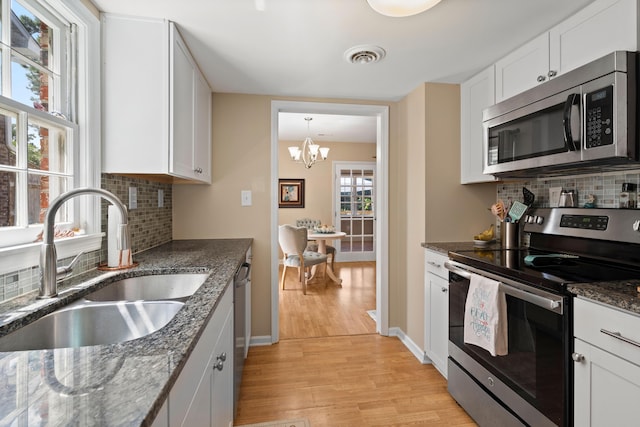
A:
(528, 219)
(539, 220)
(636, 225)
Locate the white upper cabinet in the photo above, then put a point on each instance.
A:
(600, 28)
(156, 102)
(523, 68)
(597, 30)
(476, 94)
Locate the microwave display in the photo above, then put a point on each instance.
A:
(599, 118)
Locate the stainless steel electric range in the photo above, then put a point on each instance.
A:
(532, 384)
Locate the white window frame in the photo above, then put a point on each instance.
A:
(87, 141)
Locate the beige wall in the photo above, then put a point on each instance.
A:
(426, 201)
(432, 204)
(318, 180)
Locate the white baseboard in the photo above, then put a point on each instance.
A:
(411, 346)
(260, 340)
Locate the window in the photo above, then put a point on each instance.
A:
(49, 118)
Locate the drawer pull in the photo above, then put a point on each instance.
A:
(435, 264)
(617, 335)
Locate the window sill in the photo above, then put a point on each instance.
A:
(26, 256)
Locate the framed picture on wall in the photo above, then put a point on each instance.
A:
(291, 193)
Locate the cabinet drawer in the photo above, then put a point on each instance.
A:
(434, 263)
(591, 319)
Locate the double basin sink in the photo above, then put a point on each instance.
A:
(120, 311)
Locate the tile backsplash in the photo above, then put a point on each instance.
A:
(606, 188)
(149, 226)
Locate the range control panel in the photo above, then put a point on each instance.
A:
(616, 225)
(587, 222)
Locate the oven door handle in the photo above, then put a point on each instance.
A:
(525, 295)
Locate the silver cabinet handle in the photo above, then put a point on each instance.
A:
(434, 264)
(198, 170)
(219, 365)
(222, 357)
(444, 290)
(577, 357)
(541, 78)
(552, 73)
(619, 336)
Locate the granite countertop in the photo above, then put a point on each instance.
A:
(621, 294)
(446, 247)
(119, 384)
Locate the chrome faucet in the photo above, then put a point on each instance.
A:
(50, 274)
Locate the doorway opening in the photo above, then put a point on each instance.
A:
(381, 113)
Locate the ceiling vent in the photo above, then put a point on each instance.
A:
(364, 54)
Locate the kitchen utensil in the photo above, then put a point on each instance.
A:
(498, 209)
(517, 210)
(529, 197)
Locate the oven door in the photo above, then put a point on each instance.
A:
(532, 380)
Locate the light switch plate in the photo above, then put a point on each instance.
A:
(554, 196)
(245, 196)
(133, 198)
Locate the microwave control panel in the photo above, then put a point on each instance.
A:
(599, 117)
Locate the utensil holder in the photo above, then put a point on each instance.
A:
(510, 235)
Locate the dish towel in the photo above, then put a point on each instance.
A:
(485, 316)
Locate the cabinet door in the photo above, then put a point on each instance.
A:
(476, 94)
(222, 378)
(439, 322)
(182, 89)
(607, 388)
(191, 399)
(202, 135)
(135, 96)
(597, 30)
(436, 309)
(523, 68)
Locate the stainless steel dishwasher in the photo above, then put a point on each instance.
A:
(240, 282)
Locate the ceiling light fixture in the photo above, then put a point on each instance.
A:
(401, 8)
(364, 54)
(308, 152)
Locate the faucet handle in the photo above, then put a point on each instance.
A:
(65, 271)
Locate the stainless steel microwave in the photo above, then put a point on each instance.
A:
(580, 122)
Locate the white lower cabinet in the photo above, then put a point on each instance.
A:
(436, 293)
(203, 393)
(607, 368)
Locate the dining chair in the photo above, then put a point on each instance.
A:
(293, 242)
(311, 224)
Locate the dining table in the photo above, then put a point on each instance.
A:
(321, 238)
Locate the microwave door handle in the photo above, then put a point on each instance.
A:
(572, 100)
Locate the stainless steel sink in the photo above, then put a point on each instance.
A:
(86, 324)
(151, 288)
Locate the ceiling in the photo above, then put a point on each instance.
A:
(296, 47)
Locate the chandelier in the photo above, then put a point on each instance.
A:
(400, 8)
(308, 152)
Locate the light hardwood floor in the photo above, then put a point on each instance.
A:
(333, 369)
